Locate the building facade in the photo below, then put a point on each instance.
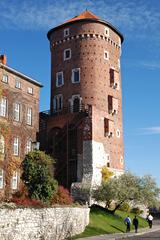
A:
(19, 123)
(83, 128)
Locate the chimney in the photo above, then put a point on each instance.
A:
(3, 59)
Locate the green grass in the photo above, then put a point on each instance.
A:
(102, 222)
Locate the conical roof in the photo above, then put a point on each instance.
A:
(88, 16)
(84, 15)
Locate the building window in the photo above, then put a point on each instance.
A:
(28, 146)
(66, 32)
(3, 107)
(119, 64)
(67, 54)
(17, 83)
(106, 55)
(30, 90)
(118, 133)
(76, 75)
(59, 79)
(5, 78)
(112, 105)
(1, 178)
(14, 180)
(29, 116)
(121, 160)
(16, 146)
(106, 31)
(16, 112)
(58, 103)
(108, 128)
(114, 78)
(2, 144)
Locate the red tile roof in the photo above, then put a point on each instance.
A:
(84, 15)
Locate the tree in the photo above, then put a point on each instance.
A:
(106, 174)
(38, 175)
(127, 187)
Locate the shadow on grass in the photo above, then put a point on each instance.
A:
(117, 228)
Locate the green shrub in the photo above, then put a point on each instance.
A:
(136, 211)
(125, 207)
(38, 176)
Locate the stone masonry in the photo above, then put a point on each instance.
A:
(47, 223)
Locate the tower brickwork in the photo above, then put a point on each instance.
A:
(86, 100)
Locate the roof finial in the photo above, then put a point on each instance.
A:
(86, 10)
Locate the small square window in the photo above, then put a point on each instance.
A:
(66, 32)
(5, 78)
(106, 55)
(17, 84)
(67, 54)
(59, 79)
(106, 31)
(30, 90)
(76, 75)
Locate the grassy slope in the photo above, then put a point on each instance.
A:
(102, 222)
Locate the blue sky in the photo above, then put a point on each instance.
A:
(23, 29)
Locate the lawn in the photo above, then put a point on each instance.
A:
(102, 222)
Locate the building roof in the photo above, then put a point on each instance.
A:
(3, 66)
(86, 16)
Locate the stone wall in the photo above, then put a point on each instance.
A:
(42, 224)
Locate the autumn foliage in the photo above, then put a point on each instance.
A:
(62, 197)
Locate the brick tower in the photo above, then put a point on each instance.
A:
(83, 129)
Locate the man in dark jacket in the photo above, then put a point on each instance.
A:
(135, 223)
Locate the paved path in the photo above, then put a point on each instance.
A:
(147, 236)
(143, 234)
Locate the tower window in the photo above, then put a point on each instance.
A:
(112, 105)
(76, 75)
(29, 116)
(67, 54)
(58, 103)
(108, 128)
(106, 31)
(59, 79)
(118, 133)
(114, 78)
(66, 32)
(106, 55)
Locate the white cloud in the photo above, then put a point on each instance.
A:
(151, 65)
(150, 130)
(130, 16)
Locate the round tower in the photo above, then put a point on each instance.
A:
(85, 71)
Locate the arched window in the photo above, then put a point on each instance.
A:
(76, 104)
(2, 144)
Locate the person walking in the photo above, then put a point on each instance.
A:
(135, 223)
(128, 222)
(150, 219)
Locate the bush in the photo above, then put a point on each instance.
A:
(27, 202)
(38, 176)
(125, 207)
(62, 197)
(136, 211)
